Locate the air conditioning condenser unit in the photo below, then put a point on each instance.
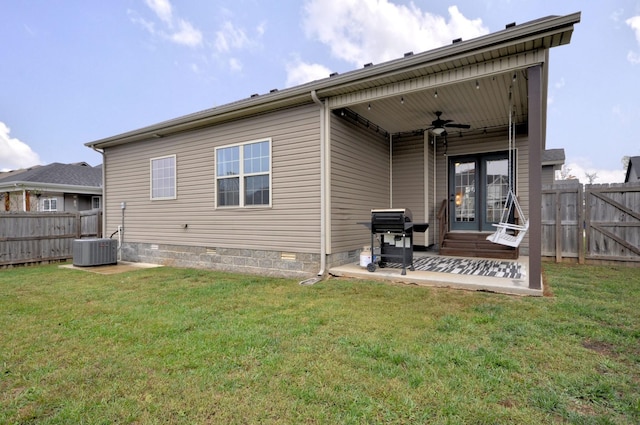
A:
(95, 252)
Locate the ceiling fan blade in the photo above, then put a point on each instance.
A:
(457, 125)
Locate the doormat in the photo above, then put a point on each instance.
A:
(476, 267)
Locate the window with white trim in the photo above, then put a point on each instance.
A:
(95, 202)
(163, 177)
(49, 204)
(243, 174)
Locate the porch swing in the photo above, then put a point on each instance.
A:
(507, 233)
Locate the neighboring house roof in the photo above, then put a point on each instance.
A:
(427, 71)
(72, 178)
(633, 170)
(553, 157)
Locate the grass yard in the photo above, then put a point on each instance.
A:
(181, 346)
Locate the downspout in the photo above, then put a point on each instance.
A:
(323, 184)
(390, 171)
(103, 203)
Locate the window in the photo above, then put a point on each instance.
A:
(243, 174)
(95, 202)
(49, 204)
(163, 177)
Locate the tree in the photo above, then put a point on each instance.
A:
(591, 177)
(565, 173)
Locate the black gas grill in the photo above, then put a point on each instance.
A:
(394, 228)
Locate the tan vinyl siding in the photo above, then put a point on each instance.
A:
(293, 221)
(485, 144)
(359, 182)
(408, 189)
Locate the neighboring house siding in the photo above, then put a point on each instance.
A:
(409, 180)
(291, 224)
(490, 143)
(76, 203)
(359, 182)
(548, 175)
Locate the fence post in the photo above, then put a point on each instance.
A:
(558, 231)
(78, 226)
(587, 218)
(581, 224)
(99, 224)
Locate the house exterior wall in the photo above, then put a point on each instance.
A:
(65, 201)
(360, 181)
(548, 174)
(408, 181)
(189, 230)
(492, 142)
(633, 174)
(77, 202)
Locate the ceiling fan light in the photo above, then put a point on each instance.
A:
(438, 131)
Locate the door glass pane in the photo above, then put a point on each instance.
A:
(497, 188)
(465, 191)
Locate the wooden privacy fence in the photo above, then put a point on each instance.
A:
(591, 223)
(33, 237)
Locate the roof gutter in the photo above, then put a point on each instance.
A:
(50, 187)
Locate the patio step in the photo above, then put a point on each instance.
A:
(459, 244)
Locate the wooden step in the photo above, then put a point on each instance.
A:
(474, 244)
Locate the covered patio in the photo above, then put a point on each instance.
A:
(462, 124)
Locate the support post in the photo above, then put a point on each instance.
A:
(536, 145)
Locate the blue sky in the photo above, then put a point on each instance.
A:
(74, 71)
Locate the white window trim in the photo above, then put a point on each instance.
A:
(175, 178)
(96, 198)
(241, 175)
(49, 198)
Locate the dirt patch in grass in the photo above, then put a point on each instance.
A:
(599, 347)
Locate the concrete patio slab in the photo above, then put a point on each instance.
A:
(502, 285)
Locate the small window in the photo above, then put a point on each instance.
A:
(95, 202)
(163, 177)
(243, 174)
(49, 204)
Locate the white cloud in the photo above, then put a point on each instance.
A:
(229, 37)
(299, 72)
(235, 64)
(187, 34)
(363, 31)
(162, 8)
(616, 15)
(634, 23)
(179, 31)
(580, 167)
(633, 57)
(14, 153)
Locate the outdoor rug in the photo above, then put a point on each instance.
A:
(477, 267)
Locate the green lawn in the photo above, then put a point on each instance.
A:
(182, 346)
